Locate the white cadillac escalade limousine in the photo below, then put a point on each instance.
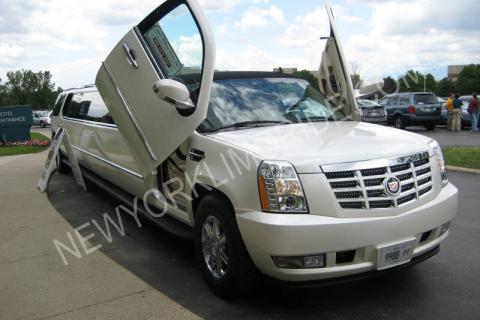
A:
(269, 174)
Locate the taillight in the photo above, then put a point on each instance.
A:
(411, 109)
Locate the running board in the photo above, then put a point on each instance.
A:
(167, 223)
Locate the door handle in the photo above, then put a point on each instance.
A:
(196, 155)
(130, 53)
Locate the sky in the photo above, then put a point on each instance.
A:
(381, 38)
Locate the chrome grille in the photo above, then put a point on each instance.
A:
(362, 185)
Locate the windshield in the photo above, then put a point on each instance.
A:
(425, 99)
(237, 103)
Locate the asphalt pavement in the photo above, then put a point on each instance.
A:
(446, 286)
(446, 138)
(148, 274)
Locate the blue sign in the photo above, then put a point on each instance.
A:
(15, 123)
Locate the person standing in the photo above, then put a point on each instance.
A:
(474, 110)
(457, 114)
(449, 106)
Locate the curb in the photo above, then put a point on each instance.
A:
(464, 170)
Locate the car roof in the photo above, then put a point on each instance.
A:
(218, 76)
(230, 75)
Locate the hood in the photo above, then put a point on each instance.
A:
(309, 145)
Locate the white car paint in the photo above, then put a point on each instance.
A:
(149, 129)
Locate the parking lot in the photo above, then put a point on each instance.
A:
(443, 287)
(149, 274)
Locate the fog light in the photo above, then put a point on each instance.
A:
(307, 262)
(444, 228)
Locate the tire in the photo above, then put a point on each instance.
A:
(399, 123)
(430, 126)
(238, 277)
(62, 167)
(42, 124)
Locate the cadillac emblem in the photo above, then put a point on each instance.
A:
(392, 186)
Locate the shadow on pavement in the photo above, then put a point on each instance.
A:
(168, 265)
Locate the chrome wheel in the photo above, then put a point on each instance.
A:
(214, 247)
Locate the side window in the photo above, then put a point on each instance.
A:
(58, 104)
(392, 101)
(76, 108)
(404, 100)
(97, 111)
(175, 42)
(88, 106)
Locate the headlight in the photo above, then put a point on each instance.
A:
(442, 168)
(280, 189)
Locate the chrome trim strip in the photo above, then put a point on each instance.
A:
(133, 173)
(92, 123)
(371, 164)
(139, 130)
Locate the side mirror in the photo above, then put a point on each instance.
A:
(174, 92)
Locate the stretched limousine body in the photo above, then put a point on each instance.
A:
(270, 174)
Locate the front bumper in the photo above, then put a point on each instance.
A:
(266, 235)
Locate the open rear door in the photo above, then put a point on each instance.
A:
(145, 78)
(335, 81)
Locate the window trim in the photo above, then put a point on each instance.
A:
(92, 123)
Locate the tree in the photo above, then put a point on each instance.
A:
(34, 88)
(4, 94)
(307, 75)
(469, 80)
(389, 85)
(415, 81)
(430, 84)
(445, 87)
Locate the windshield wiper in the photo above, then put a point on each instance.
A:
(247, 124)
(321, 119)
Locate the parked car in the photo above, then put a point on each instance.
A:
(41, 118)
(266, 174)
(372, 112)
(444, 113)
(466, 117)
(411, 109)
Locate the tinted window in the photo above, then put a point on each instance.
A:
(425, 99)
(58, 105)
(404, 100)
(88, 106)
(389, 100)
(176, 43)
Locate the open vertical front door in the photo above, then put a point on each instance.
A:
(144, 83)
(335, 81)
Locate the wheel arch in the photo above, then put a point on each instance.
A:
(200, 191)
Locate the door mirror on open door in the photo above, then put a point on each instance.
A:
(174, 92)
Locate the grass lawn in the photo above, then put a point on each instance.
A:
(467, 157)
(9, 151)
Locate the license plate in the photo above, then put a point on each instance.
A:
(375, 114)
(394, 255)
(428, 109)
